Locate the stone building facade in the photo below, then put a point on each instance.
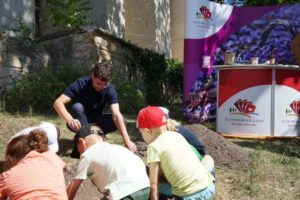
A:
(79, 49)
(152, 24)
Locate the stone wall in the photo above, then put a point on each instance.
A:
(81, 49)
(17, 59)
(15, 12)
(145, 23)
(109, 15)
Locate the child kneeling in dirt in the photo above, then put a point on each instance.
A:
(168, 152)
(33, 171)
(113, 169)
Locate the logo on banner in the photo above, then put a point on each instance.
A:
(295, 109)
(243, 107)
(204, 13)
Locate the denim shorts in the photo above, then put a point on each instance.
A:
(205, 194)
(165, 190)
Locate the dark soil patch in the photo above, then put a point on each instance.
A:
(225, 153)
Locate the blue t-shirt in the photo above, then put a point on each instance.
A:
(191, 139)
(82, 91)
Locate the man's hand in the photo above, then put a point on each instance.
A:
(74, 124)
(131, 146)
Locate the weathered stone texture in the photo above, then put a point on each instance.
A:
(79, 50)
(17, 59)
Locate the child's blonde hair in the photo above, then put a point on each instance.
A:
(172, 125)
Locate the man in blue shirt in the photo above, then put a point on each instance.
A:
(87, 97)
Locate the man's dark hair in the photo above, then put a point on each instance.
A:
(102, 70)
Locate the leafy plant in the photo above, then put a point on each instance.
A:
(22, 32)
(174, 80)
(36, 92)
(69, 13)
(131, 99)
(162, 78)
(153, 67)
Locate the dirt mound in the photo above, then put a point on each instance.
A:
(225, 153)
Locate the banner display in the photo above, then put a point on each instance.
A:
(258, 100)
(211, 29)
(244, 104)
(287, 103)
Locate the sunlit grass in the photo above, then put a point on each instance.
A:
(274, 173)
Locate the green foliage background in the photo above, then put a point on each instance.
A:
(69, 13)
(36, 91)
(163, 78)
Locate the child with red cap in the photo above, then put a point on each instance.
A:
(168, 152)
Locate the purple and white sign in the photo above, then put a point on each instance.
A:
(212, 28)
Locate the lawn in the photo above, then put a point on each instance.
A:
(274, 173)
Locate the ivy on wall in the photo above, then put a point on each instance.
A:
(162, 77)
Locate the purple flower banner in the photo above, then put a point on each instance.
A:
(211, 29)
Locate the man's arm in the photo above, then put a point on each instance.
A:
(73, 187)
(59, 106)
(119, 122)
(154, 180)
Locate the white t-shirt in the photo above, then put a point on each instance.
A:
(114, 168)
(179, 163)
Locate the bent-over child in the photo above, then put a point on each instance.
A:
(169, 153)
(116, 171)
(33, 172)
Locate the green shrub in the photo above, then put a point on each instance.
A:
(69, 13)
(163, 78)
(174, 80)
(131, 99)
(163, 81)
(37, 91)
(153, 67)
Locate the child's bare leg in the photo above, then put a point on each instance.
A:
(209, 163)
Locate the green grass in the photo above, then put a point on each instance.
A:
(274, 173)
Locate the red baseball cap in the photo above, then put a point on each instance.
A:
(151, 117)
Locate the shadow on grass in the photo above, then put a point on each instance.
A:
(133, 132)
(290, 148)
(65, 147)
